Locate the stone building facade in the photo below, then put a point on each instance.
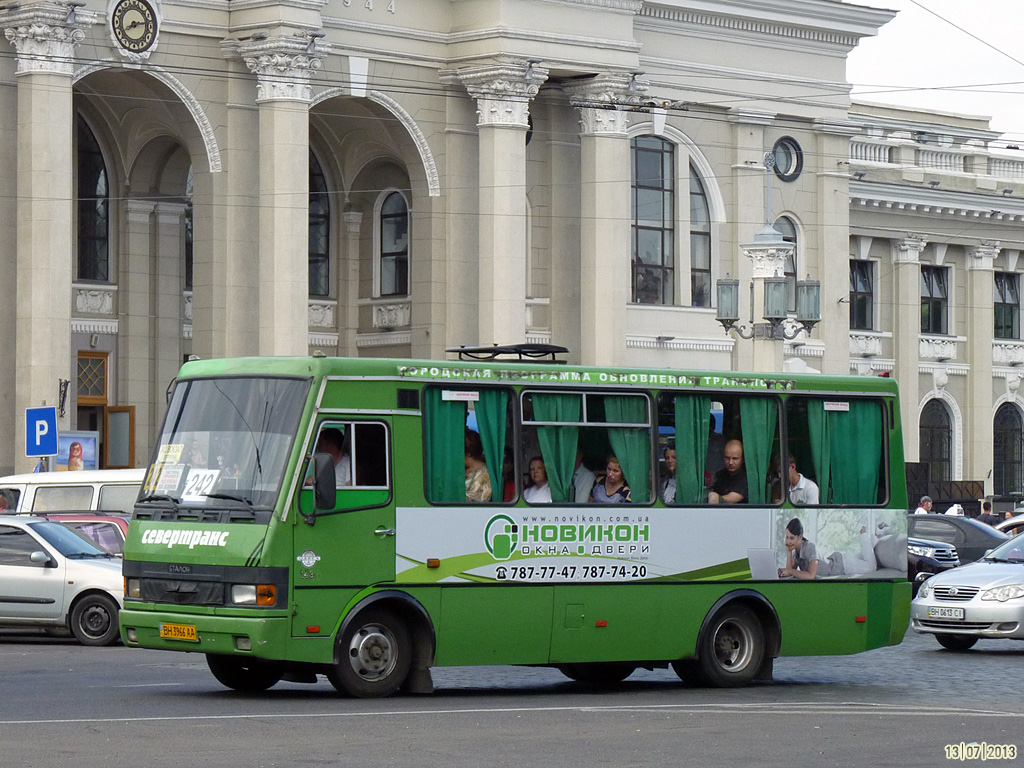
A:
(399, 177)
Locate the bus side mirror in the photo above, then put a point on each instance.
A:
(325, 491)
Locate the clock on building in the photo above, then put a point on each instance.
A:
(134, 24)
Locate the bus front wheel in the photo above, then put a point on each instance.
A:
(732, 648)
(374, 655)
(243, 674)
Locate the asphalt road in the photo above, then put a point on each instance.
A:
(65, 705)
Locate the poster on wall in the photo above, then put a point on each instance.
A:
(77, 450)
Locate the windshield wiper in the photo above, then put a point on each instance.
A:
(159, 497)
(230, 497)
(998, 559)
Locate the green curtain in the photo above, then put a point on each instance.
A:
(820, 429)
(632, 445)
(445, 424)
(558, 444)
(693, 420)
(857, 437)
(758, 417)
(491, 417)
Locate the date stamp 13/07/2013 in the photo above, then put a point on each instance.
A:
(980, 751)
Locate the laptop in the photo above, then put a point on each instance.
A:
(762, 565)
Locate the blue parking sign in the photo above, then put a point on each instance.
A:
(41, 431)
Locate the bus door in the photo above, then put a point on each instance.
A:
(353, 545)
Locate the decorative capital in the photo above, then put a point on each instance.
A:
(45, 36)
(600, 98)
(283, 66)
(503, 92)
(908, 250)
(768, 261)
(982, 256)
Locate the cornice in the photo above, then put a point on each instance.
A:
(630, 7)
(935, 202)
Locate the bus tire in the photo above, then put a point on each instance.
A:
(732, 648)
(94, 620)
(245, 675)
(598, 673)
(956, 642)
(374, 655)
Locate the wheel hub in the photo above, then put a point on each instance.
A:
(372, 652)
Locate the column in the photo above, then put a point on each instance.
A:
(833, 243)
(45, 43)
(906, 334)
(168, 284)
(348, 289)
(606, 244)
(503, 93)
(978, 417)
(282, 66)
(135, 346)
(749, 207)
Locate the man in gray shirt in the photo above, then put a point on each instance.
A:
(801, 489)
(582, 480)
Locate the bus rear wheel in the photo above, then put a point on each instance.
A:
(242, 674)
(374, 655)
(732, 648)
(956, 642)
(598, 673)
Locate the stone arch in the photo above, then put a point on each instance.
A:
(429, 166)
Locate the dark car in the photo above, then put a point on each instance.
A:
(926, 558)
(971, 538)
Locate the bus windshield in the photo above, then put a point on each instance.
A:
(226, 440)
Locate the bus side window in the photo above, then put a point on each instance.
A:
(359, 445)
(842, 445)
(467, 434)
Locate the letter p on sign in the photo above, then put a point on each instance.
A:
(40, 432)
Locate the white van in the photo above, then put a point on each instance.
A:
(109, 490)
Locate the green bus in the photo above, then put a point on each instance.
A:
(369, 519)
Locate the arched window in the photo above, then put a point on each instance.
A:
(393, 239)
(936, 438)
(1007, 461)
(787, 229)
(319, 231)
(93, 208)
(700, 243)
(653, 220)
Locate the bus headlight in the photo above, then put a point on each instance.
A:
(264, 595)
(132, 588)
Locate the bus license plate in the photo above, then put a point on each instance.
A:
(179, 632)
(946, 613)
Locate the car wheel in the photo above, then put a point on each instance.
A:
(94, 620)
(956, 642)
(374, 655)
(598, 674)
(245, 675)
(731, 649)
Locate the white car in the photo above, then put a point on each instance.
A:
(54, 579)
(983, 599)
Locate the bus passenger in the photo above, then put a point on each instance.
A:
(332, 441)
(611, 488)
(478, 479)
(538, 491)
(801, 490)
(729, 485)
(668, 486)
(582, 480)
(802, 556)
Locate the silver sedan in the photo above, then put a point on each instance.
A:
(984, 599)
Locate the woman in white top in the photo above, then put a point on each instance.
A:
(538, 492)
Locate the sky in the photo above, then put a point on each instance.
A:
(964, 56)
